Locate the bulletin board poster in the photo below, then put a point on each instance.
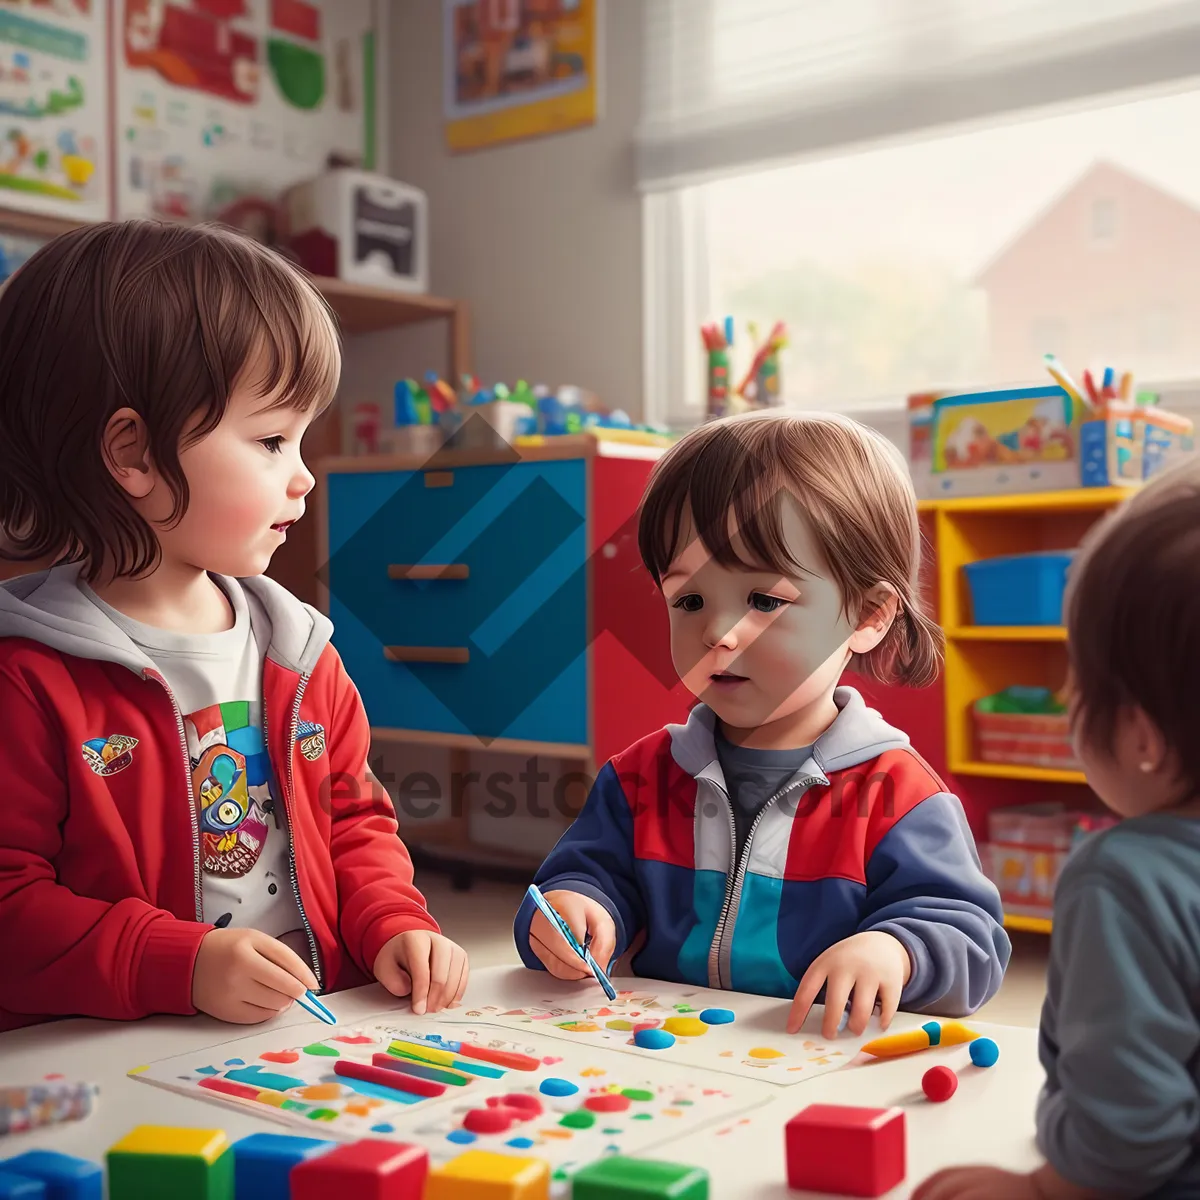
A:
(220, 101)
(517, 69)
(54, 132)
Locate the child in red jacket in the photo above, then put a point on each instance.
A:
(188, 818)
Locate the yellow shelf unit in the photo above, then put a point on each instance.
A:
(1008, 633)
(980, 659)
(1029, 924)
(1017, 771)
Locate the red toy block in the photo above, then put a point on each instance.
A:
(844, 1150)
(368, 1170)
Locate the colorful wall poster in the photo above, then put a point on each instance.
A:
(518, 69)
(54, 147)
(218, 100)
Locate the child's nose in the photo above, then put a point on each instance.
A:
(721, 632)
(302, 483)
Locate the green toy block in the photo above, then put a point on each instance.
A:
(155, 1161)
(620, 1178)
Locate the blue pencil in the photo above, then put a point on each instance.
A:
(583, 951)
(309, 1002)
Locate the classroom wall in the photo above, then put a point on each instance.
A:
(543, 237)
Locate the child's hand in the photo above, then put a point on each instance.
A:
(426, 966)
(872, 965)
(246, 976)
(990, 1183)
(585, 916)
(979, 1183)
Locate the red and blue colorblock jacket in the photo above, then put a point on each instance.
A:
(864, 836)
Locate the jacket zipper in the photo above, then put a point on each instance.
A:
(187, 775)
(733, 886)
(293, 726)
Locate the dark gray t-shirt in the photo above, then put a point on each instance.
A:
(1120, 1028)
(752, 777)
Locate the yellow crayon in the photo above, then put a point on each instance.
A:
(1059, 374)
(429, 1054)
(932, 1033)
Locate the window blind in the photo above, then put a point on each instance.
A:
(734, 83)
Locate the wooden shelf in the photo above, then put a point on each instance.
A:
(359, 309)
(362, 309)
(455, 741)
(1028, 924)
(1008, 633)
(1017, 771)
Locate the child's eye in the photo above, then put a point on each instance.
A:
(273, 444)
(763, 603)
(689, 603)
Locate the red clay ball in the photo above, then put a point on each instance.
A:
(489, 1120)
(939, 1083)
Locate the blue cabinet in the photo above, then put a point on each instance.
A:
(505, 627)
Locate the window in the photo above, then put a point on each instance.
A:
(1104, 221)
(902, 255)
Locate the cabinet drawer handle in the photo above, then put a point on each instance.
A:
(439, 479)
(429, 654)
(429, 571)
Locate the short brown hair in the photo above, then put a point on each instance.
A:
(158, 317)
(850, 483)
(1133, 617)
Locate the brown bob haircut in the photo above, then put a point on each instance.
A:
(1133, 618)
(164, 319)
(848, 482)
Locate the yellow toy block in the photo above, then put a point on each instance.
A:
(482, 1175)
(153, 1161)
(208, 1144)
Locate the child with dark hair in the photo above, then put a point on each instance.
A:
(174, 719)
(1119, 1114)
(785, 840)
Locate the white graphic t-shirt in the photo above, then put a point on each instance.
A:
(216, 679)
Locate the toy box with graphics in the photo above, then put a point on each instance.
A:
(1003, 441)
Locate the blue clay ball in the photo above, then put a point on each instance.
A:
(558, 1087)
(653, 1039)
(984, 1052)
(717, 1016)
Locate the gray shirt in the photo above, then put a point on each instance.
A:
(1120, 1029)
(752, 777)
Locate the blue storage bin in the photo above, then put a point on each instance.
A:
(1019, 589)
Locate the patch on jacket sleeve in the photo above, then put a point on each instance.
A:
(311, 738)
(110, 755)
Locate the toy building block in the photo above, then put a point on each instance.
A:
(845, 1151)
(65, 1177)
(263, 1162)
(20, 1187)
(368, 1170)
(153, 1161)
(482, 1175)
(620, 1178)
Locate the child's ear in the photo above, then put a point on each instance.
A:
(879, 608)
(1150, 748)
(126, 445)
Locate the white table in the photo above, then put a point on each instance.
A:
(988, 1120)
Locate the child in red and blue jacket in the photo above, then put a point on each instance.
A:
(786, 840)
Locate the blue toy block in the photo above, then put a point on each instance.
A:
(262, 1163)
(65, 1177)
(20, 1187)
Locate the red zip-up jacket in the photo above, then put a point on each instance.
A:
(100, 886)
